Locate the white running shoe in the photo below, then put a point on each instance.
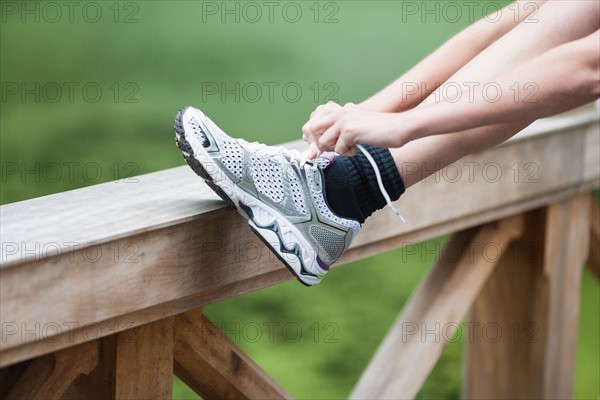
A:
(281, 195)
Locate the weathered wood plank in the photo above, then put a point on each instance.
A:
(215, 367)
(532, 303)
(49, 377)
(434, 312)
(591, 161)
(196, 253)
(144, 361)
(170, 269)
(139, 204)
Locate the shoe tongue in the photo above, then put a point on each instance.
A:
(325, 160)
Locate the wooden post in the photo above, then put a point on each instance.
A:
(144, 361)
(525, 318)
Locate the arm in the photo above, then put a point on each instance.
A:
(566, 76)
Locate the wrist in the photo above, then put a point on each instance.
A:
(372, 104)
(407, 126)
(385, 104)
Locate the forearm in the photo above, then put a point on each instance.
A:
(558, 80)
(420, 81)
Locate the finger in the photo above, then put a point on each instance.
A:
(345, 147)
(325, 109)
(328, 140)
(345, 140)
(320, 124)
(323, 115)
(307, 134)
(317, 110)
(309, 154)
(312, 151)
(350, 152)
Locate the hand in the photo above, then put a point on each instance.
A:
(320, 111)
(307, 134)
(336, 128)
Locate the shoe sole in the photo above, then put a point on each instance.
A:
(268, 233)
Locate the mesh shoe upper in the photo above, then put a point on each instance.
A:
(278, 181)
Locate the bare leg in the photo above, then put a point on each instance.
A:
(558, 22)
(421, 158)
(556, 25)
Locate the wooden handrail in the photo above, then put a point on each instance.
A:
(36, 228)
(161, 244)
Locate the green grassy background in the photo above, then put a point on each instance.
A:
(169, 53)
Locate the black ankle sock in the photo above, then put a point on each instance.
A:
(351, 185)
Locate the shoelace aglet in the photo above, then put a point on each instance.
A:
(398, 213)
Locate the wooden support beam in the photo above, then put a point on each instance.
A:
(134, 364)
(48, 377)
(532, 303)
(10, 375)
(593, 260)
(99, 384)
(215, 367)
(409, 352)
(144, 361)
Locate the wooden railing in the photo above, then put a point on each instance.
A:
(102, 288)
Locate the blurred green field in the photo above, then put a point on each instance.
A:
(148, 59)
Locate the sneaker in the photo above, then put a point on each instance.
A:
(280, 194)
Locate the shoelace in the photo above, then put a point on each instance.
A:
(263, 149)
(302, 157)
(385, 194)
